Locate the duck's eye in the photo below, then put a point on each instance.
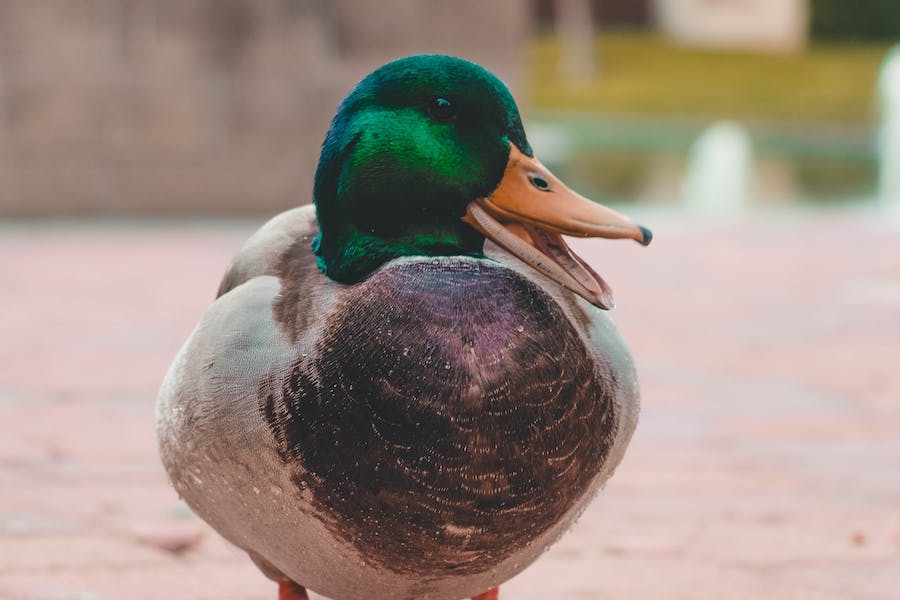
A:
(441, 110)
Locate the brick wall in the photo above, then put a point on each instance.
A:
(202, 106)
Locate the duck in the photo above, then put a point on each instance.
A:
(411, 387)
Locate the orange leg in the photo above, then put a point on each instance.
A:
(288, 590)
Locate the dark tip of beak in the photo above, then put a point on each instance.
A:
(648, 235)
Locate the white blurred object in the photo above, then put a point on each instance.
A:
(576, 31)
(889, 140)
(719, 175)
(770, 25)
(551, 143)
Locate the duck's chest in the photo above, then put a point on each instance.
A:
(448, 415)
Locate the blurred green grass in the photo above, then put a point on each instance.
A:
(645, 74)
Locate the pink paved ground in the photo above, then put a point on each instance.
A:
(766, 464)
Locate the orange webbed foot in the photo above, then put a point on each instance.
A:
(489, 595)
(288, 590)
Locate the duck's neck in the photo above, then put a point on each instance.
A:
(348, 253)
(367, 219)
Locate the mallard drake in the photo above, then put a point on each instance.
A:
(382, 404)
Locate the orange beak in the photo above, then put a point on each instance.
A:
(531, 210)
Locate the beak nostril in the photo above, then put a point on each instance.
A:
(539, 182)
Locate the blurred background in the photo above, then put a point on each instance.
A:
(118, 107)
(141, 142)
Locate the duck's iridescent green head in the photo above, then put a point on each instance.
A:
(414, 149)
(410, 147)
